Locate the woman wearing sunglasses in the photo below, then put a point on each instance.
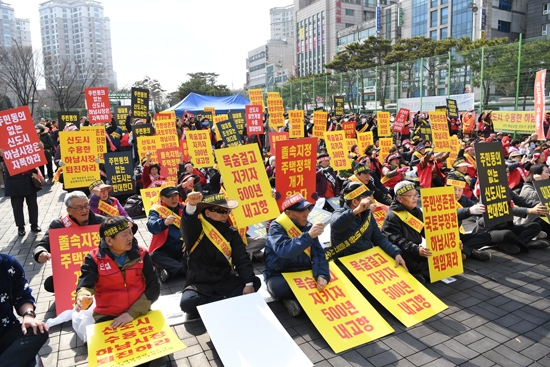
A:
(218, 265)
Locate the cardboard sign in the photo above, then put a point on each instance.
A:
(296, 124)
(452, 108)
(385, 145)
(383, 123)
(441, 232)
(256, 97)
(229, 133)
(100, 137)
(274, 138)
(493, 183)
(296, 168)
(400, 120)
(165, 127)
(337, 149)
(147, 144)
(243, 167)
(254, 120)
(69, 246)
(339, 106)
(260, 322)
(349, 129)
(142, 130)
(514, 121)
(319, 124)
(78, 152)
(64, 118)
(119, 167)
(150, 196)
(340, 313)
(140, 102)
(364, 139)
(169, 159)
(543, 192)
(144, 339)
(440, 131)
(18, 138)
(98, 105)
(395, 288)
(200, 148)
(238, 117)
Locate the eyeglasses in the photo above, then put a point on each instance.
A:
(80, 207)
(412, 195)
(220, 211)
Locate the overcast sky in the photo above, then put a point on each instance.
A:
(166, 39)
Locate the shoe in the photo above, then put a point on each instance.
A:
(162, 274)
(293, 307)
(481, 255)
(538, 244)
(509, 248)
(541, 235)
(36, 229)
(21, 231)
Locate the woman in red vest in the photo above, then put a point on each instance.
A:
(119, 274)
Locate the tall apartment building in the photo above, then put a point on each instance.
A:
(282, 23)
(12, 28)
(538, 18)
(78, 29)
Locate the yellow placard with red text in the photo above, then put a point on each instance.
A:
(395, 288)
(148, 144)
(276, 110)
(200, 148)
(441, 231)
(212, 110)
(246, 181)
(364, 139)
(165, 126)
(256, 98)
(337, 149)
(296, 124)
(319, 124)
(273, 95)
(78, 152)
(440, 131)
(339, 312)
(101, 139)
(454, 143)
(383, 122)
(144, 339)
(514, 121)
(385, 145)
(150, 196)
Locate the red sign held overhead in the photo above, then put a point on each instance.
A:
(254, 120)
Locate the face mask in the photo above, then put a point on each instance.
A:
(533, 146)
(205, 124)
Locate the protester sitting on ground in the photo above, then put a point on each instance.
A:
(404, 227)
(460, 172)
(393, 171)
(293, 245)
(151, 173)
(364, 175)
(19, 341)
(78, 214)
(103, 204)
(517, 174)
(167, 246)
(537, 172)
(218, 265)
(119, 274)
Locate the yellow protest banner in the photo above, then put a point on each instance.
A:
(319, 124)
(101, 139)
(337, 149)
(276, 110)
(256, 98)
(200, 148)
(296, 122)
(364, 139)
(441, 231)
(440, 131)
(385, 145)
(339, 312)
(144, 339)
(395, 288)
(243, 171)
(383, 122)
(150, 196)
(78, 152)
(514, 121)
(148, 144)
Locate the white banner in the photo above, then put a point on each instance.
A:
(464, 102)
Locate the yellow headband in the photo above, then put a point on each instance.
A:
(112, 231)
(356, 193)
(404, 189)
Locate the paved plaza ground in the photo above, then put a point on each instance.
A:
(498, 315)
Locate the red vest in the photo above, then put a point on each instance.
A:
(391, 182)
(116, 293)
(425, 175)
(515, 177)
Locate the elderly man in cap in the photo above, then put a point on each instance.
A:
(78, 214)
(460, 172)
(404, 227)
(104, 204)
(293, 245)
(218, 265)
(354, 228)
(119, 273)
(362, 174)
(166, 246)
(326, 181)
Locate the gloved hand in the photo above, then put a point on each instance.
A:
(477, 209)
(403, 169)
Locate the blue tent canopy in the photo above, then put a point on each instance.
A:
(196, 102)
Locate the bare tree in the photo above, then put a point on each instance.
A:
(67, 78)
(20, 72)
(157, 93)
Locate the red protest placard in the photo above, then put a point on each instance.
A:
(169, 159)
(98, 105)
(69, 246)
(400, 120)
(18, 138)
(274, 138)
(254, 120)
(295, 168)
(349, 128)
(184, 150)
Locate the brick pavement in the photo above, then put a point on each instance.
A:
(498, 315)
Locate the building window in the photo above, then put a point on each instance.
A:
(388, 24)
(544, 29)
(433, 35)
(443, 34)
(545, 8)
(503, 26)
(351, 12)
(434, 3)
(505, 5)
(433, 18)
(444, 16)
